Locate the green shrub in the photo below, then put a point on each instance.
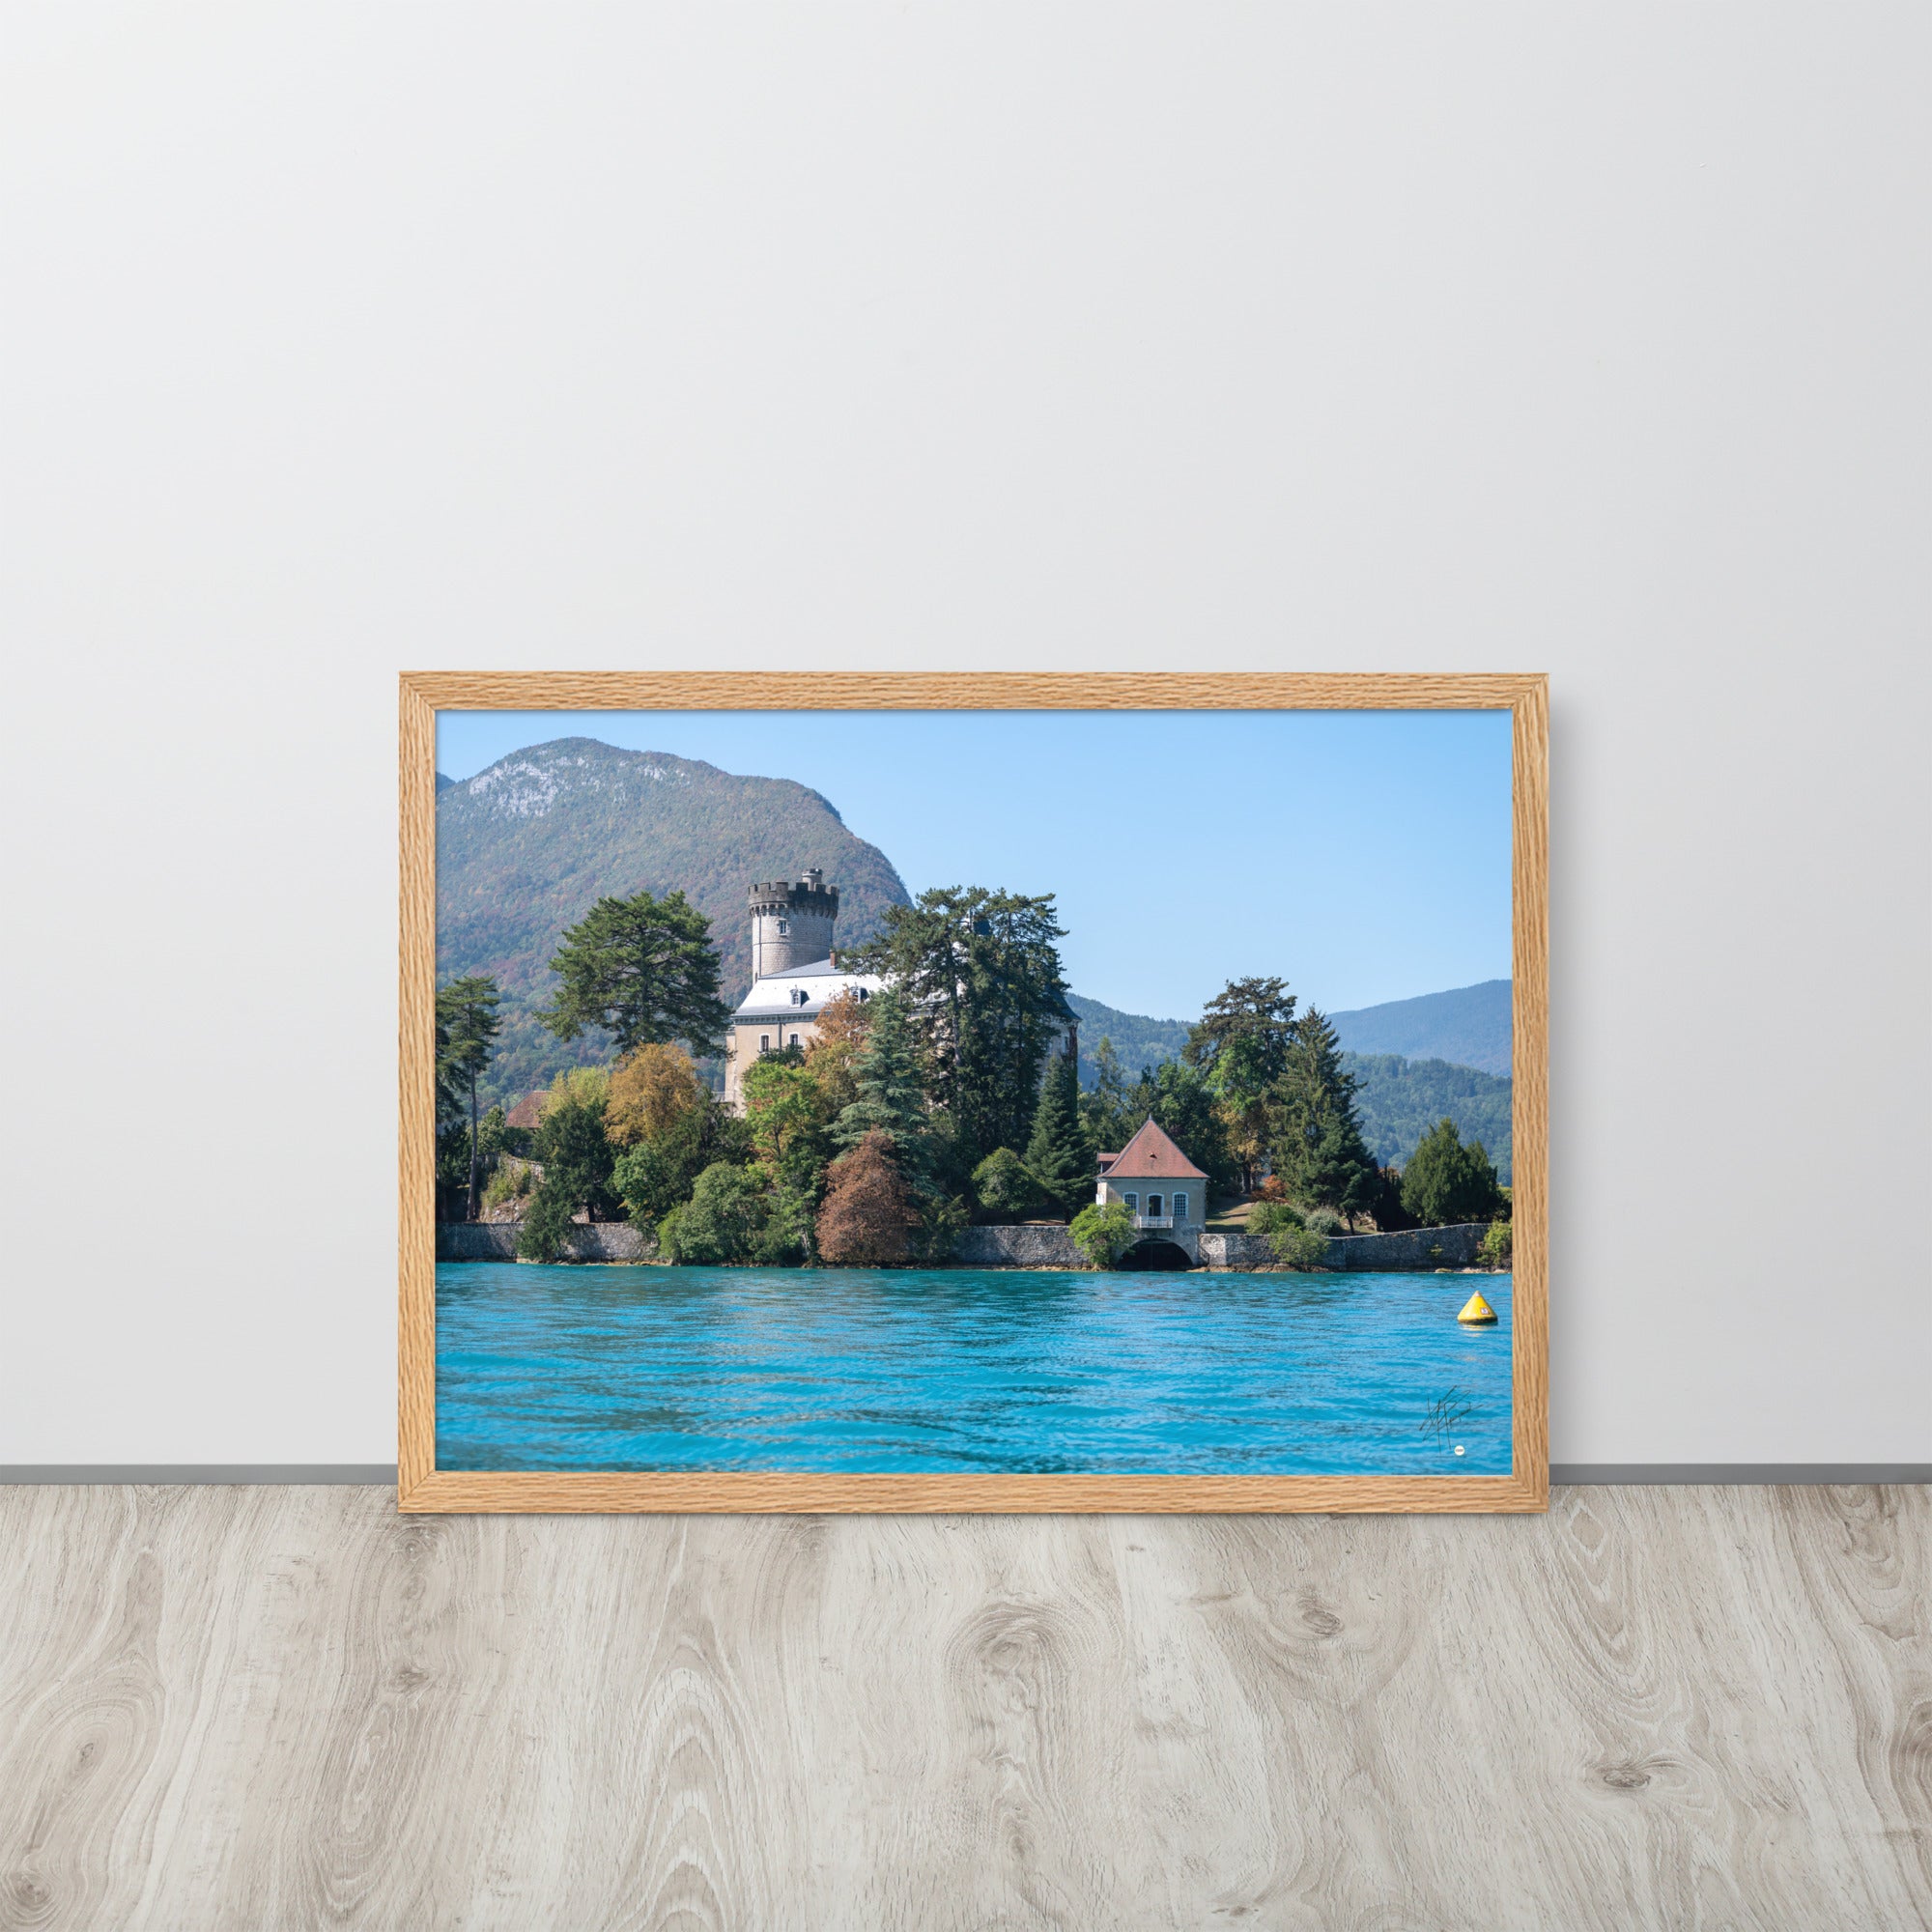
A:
(511, 1182)
(1004, 1188)
(941, 1219)
(1270, 1218)
(1299, 1248)
(546, 1226)
(1292, 1238)
(1498, 1247)
(1103, 1234)
(722, 1221)
(1323, 1221)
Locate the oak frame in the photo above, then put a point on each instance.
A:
(422, 1486)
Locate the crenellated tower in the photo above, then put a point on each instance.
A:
(791, 923)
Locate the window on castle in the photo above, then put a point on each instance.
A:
(794, 1039)
(1180, 1207)
(764, 1046)
(1133, 1202)
(784, 926)
(1154, 1205)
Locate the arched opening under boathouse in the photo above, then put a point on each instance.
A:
(1163, 1256)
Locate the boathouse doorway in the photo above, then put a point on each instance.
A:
(1165, 1257)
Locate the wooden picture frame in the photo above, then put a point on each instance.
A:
(422, 1486)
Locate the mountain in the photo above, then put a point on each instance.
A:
(1139, 1041)
(1398, 1100)
(443, 782)
(525, 847)
(1470, 1027)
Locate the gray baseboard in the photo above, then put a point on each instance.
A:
(1746, 1473)
(122, 1473)
(383, 1474)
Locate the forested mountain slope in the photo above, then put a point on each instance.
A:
(524, 849)
(1399, 1099)
(1469, 1027)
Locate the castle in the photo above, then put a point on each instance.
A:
(794, 973)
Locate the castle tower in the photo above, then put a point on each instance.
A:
(791, 923)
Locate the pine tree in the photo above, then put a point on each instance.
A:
(986, 1000)
(892, 1102)
(1104, 1106)
(1060, 1155)
(644, 969)
(1449, 1180)
(1320, 1153)
(467, 1025)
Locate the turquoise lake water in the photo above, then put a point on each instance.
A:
(960, 1370)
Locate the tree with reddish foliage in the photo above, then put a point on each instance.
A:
(869, 1213)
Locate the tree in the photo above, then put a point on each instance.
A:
(720, 1222)
(1241, 1045)
(651, 1090)
(842, 1027)
(466, 1026)
(656, 1176)
(886, 1076)
(1178, 1097)
(1447, 1180)
(1004, 1186)
(869, 1213)
(1059, 1155)
(981, 980)
(1319, 1150)
(783, 1110)
(1103, 1234)
(787, 1116)
(1257, 1010)
(576, 1158)
(1107, 1106)
(1291, 1241)
(643, 969)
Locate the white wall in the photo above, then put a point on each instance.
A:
(1392, 337)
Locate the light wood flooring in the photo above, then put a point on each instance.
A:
(290, 1708)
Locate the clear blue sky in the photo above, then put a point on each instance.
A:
(1362, 856)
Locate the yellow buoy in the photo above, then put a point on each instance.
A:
(1477, 1310)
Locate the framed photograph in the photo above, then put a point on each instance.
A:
(1011, 1093)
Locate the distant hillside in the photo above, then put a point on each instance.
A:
(1138, 1040)
(1470, 1027)
(525, 847)
(1398, 1100)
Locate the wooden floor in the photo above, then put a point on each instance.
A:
(278, 1707)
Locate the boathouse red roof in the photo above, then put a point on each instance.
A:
(1150, 1155)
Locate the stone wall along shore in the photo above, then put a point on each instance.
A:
(1046, 1245)
(496, 1242)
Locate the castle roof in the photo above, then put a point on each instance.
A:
(777, 997)
(1150, 1155)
